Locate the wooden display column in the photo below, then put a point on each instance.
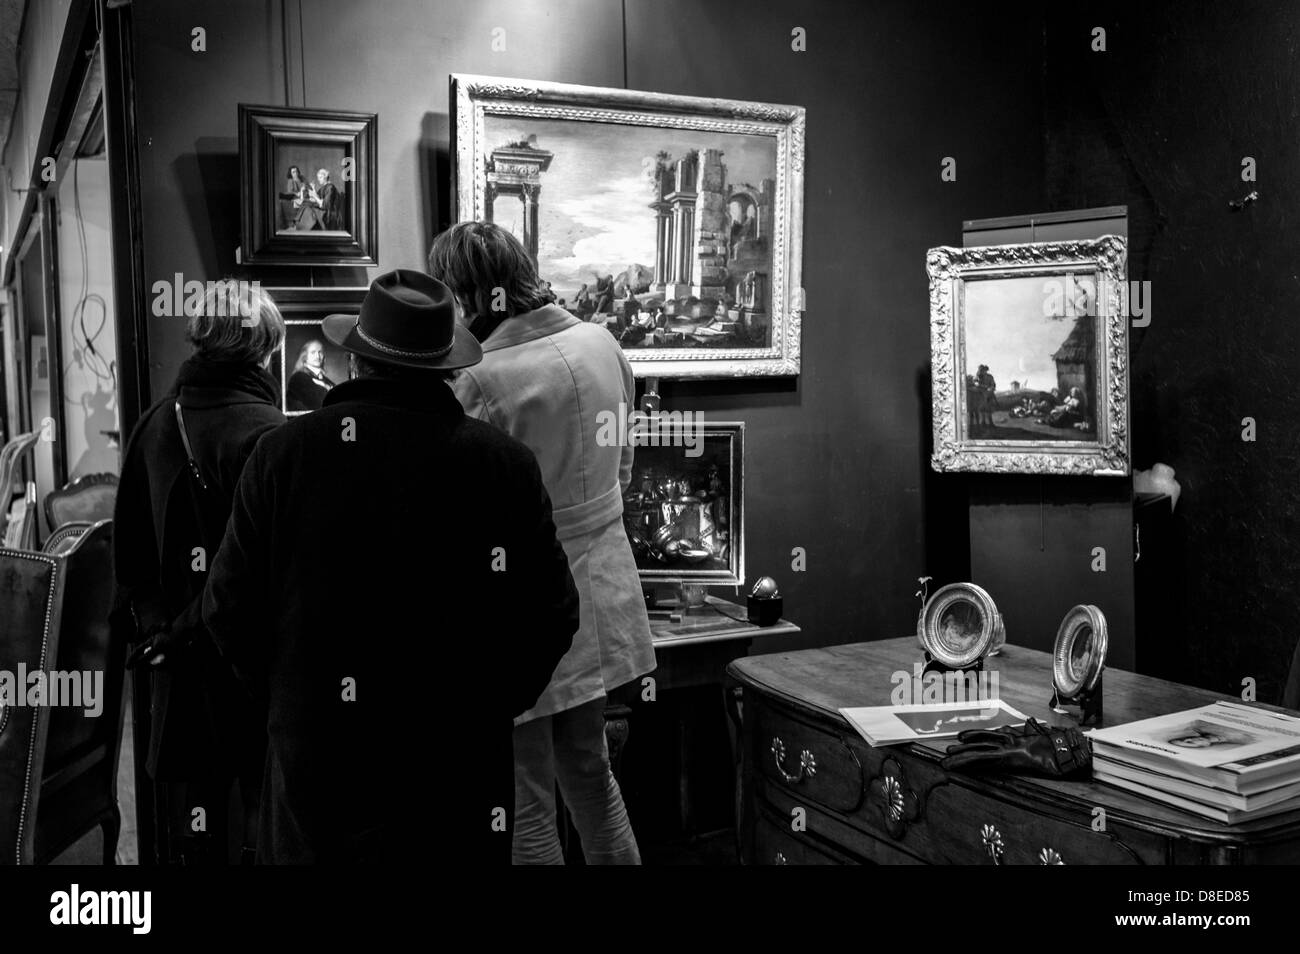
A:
(1034, 540)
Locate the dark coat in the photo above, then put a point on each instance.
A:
(227, 409)
(331, 206)
(391, 582)
(304, 394)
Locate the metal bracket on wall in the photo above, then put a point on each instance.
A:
(650, 401)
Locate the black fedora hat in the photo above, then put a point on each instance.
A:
(409, 319)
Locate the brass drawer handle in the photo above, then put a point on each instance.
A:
(779, 859)
(895, 802)
(1050, 856)
(807, 764)
(992, 839)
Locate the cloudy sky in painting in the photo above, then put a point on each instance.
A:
(1007, 329)
(595, 214)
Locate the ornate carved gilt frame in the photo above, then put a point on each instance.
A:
(474, 97)
(949, 268)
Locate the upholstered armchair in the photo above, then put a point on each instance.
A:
(89, 499)
(58, 764)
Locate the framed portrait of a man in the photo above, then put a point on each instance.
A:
(1029, 358)
(308, 366)
(307, 186)
(674, 222)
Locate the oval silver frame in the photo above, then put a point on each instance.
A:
(1066, 680)
(992, 634)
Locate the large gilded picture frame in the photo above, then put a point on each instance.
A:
(1029, 358)
(676, 222)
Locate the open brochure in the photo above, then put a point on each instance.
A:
(892, 725)
(1224, 736)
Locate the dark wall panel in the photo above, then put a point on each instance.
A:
(1043, 545)
(1161, 121)
(393, 59)
(839, 459)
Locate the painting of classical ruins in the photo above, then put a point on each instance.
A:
(678, 240)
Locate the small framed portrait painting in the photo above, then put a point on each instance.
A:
(307, 186)
(308, 366)
(1029, 358)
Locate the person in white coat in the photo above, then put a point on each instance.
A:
(548, 380)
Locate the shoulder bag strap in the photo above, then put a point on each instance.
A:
(196, 481)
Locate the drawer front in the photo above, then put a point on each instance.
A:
(981, 830)
(775, 843)
(917, 805)
(812, 762)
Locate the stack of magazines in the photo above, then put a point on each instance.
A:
(1225, 761)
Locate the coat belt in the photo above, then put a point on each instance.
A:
(589, 515)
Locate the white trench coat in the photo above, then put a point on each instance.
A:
(545, 378)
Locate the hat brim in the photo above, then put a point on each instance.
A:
(342, 331)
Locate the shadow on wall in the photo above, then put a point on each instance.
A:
(99, 417)
(209, 179)
(945, 499)
(438, 208)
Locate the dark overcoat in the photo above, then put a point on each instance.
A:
(200, 717)
(391, 583)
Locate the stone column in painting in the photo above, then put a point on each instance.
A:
(661, 187)
(516, 169)
(682, 204)
(663, 245)
(531, 193)
(708, 244)
(685, 246)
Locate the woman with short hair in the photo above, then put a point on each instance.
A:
(547, 379)
(168, 523)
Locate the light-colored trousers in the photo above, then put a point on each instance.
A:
(569, 748)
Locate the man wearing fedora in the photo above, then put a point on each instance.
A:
(392, 666)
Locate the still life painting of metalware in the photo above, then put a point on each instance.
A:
(682, 509)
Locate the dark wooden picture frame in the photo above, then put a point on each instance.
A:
(302, 308)
(271, 137)
(652, 505)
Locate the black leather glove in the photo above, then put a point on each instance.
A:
(1029, 749)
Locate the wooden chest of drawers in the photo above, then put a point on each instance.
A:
(814, 791)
